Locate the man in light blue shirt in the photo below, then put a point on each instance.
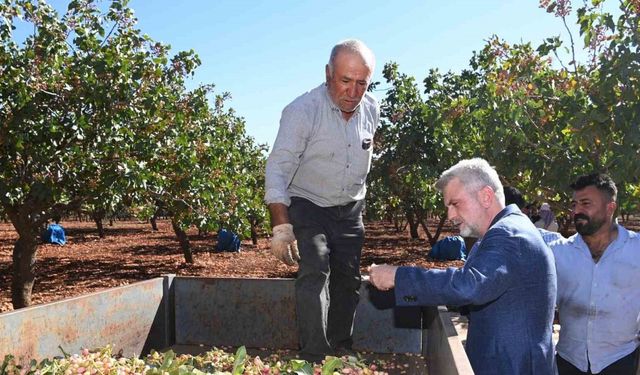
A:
(315, 189)
(598, 285)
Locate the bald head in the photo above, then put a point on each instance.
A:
(353, 47)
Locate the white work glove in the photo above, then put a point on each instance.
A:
(383, 276)
(284, 245)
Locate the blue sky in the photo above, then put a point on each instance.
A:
(266, 53)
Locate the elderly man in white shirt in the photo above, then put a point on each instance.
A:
(598, 296)
(315, 188)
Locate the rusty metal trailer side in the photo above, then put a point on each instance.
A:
(260, 313)
(132, 318)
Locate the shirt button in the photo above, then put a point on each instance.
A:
(349, 145)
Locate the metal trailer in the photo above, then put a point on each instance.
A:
(193, 313)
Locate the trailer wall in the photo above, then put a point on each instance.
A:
(259, 313)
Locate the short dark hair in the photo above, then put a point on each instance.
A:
(513, 195)
(601, 181)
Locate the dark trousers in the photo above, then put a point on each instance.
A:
(327, 286)
(627, 365)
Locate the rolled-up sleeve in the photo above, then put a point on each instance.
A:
(285, 156)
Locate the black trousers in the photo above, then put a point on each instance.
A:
(627, 365)
(330, 242)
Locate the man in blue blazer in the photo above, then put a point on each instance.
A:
(508, 281)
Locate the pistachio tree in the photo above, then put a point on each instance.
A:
(85, 103)
(538, 120)
(68, 95)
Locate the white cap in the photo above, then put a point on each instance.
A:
(545, 207)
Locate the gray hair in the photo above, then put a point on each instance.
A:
(474, 174)
(354, 46)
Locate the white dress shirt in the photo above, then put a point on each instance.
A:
(318, 155)
(598, 303)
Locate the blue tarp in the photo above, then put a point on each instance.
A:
(227, 241)
(449, 248)
(54, 234)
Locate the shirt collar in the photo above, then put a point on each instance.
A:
(510, 209)
(623, 235)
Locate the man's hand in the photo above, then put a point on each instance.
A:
(383, 277)
(284, 245)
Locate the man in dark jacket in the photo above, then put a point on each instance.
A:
(509, 281)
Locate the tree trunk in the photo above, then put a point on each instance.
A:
(396, 223)
(27, 219)
(424, 223)
(98, 215)
(100, 227)
(254, 234)
(413, 226)
(443, 219)
(433, 238)
(24, 262)
(184, 241)
(154, 221)
(156, 215)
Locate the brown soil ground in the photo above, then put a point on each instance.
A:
(131, 251)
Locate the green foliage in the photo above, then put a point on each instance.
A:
(109, 116)
(404, 153)
(206, 172)
(540, 124)
(95, 114)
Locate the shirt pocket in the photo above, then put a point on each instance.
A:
(362, 156)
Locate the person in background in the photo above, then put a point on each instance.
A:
(508, 281)
(532, 212)
(513, 196)
(598, 285)
(547, 219)
(315, 190)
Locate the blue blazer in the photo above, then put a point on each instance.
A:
(509, 283)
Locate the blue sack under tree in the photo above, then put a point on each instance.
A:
(449, 248)
(227, 241)
(54, 234)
